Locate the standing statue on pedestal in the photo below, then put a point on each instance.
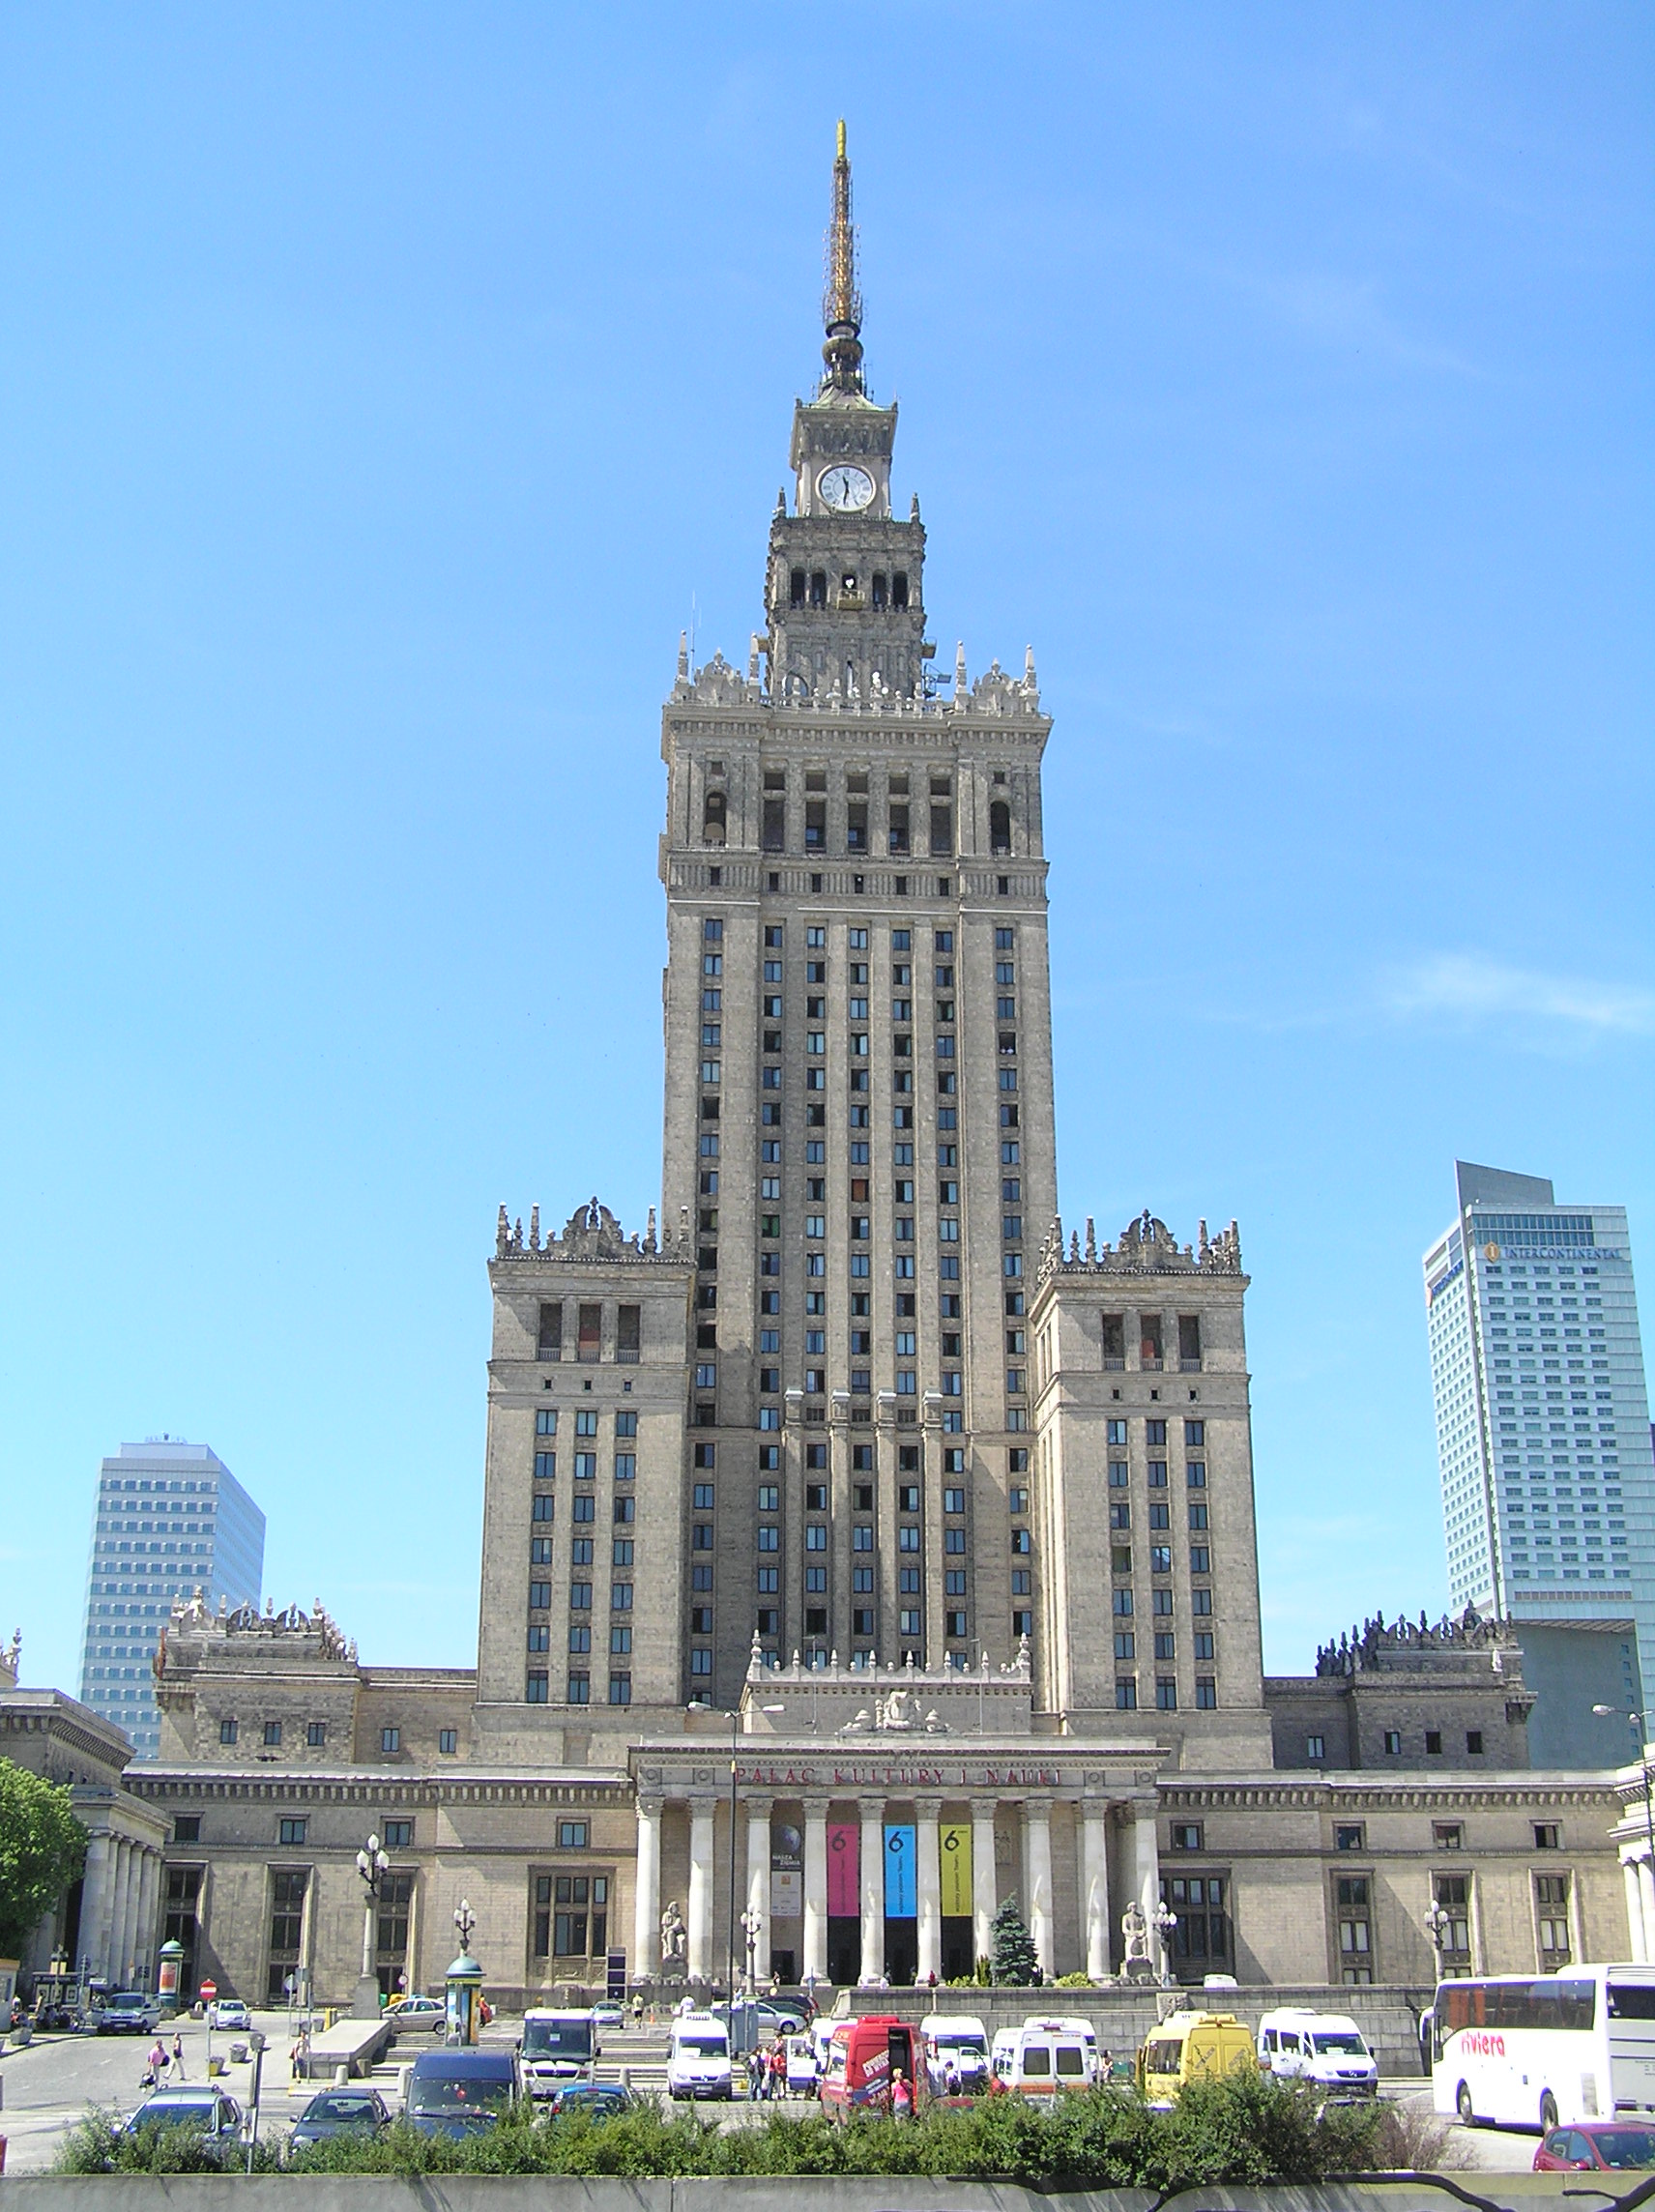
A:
(1137, 1965)
(674, 1943)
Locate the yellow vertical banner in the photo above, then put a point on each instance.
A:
(955, 1839)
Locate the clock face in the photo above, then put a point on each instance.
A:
(845, 488)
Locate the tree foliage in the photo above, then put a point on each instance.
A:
(1016, 1964)
(42, 1849)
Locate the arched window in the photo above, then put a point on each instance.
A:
(819, 587)
(796, 587)
(899, 590)
(712, 819)
(879, 591)
(998, 826)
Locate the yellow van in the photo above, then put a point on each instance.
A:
(1193, 2047)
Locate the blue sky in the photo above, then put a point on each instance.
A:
(383, 391)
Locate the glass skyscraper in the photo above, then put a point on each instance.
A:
(1542, 1417)
(170, 1519)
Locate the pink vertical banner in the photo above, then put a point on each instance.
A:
(844, 1870)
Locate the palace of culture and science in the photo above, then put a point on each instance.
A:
(858, 1463)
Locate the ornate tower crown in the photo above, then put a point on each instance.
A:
(841, 301)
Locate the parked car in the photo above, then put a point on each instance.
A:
(460, 2092)
(130, 2012)
(418, 2016)
(229, 2012)
(207, 2110)
(598, 2100)
(1324, 2047)
(351, 2111)
(606, 2013)
(699, 2062)
(1596, 2146)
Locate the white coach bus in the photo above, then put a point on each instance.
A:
(1517, 2051)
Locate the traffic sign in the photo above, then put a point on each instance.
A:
(206, 1991)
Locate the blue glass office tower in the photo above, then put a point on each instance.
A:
(1544, 1446)
(170, 1519)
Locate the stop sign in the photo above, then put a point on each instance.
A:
(206, 1991)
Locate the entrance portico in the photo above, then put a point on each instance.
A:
(880, 1843)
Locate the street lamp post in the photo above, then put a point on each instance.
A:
(373, 1866)
(1164, 1921)
(751, 1923)
(699, 1705)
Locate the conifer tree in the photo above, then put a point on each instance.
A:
(1015, 1964)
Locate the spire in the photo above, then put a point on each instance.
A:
(841, 301)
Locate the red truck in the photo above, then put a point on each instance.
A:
(863, 2061)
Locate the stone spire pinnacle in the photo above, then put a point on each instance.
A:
(841, 301)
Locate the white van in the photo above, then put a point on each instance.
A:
(556, 2048)
(1325, 2048)
(956, 2043)
(1045, 2057)
(699, 2062)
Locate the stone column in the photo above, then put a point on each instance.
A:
(1037, 1857)
(120, 1918)
(758, 1886)
(985, 1883)
(96, 1895)
(1094, 1886)
(149, 1889)
(928, 1884)
(816, 1888)
(1635, 1931)
(701, 1872)
(873, 1889)
(1146, 1872)
(1646, 1899)
(646, 1894)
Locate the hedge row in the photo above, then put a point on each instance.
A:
(1251, 2129)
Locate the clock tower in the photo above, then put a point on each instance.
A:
(843, 596)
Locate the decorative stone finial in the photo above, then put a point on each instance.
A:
(650, 1231)
(533, 1229)
(754, 649)
(1091, 1241)
(502, 1235)
(684, 656)
(960, 684)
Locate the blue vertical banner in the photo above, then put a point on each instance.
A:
(901, 1889)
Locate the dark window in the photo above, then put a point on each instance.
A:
(1114, 1340)
(1200, 1939)
(819, 587)
(775, 824)
(286, 1929)
(316, 1734)
(998, 826)
(1475, 1742)
(795, 588)
(591, 1333)
(1347, 1836)
(551, 1338)
(273, 1732)
(1189, 1340)
(187, 1828)
(628, 1333)
(1150, 1348)
(1433, 1742)
(899, 590)
(178, 1925)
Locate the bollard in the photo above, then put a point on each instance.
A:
(2, 2154)
(341, 2075)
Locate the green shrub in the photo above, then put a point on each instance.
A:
(1247, 2130)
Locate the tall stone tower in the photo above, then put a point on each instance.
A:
(858, 1124)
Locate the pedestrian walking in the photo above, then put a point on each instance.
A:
(901, 2096)
(178, 2054)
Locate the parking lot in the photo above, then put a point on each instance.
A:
(49, 2086)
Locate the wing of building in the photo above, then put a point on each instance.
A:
(949, 1507)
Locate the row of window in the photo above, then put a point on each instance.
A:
(595, 1334)
(316, 1736)
(1166, 1692)
(577, 1689)
(1315, 1745)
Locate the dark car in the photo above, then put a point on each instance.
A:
(598, 2100)
(457, 2092)
(341, 2112)
(208, 2112)
(1596, 2146)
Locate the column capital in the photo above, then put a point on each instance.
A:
(815, 1803)
(703, 1803)
(984, 1808)
(759, 1808)
(1037, 1805)
(650, 1805)
(872, 1808)
(928, 1807)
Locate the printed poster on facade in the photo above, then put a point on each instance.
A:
(955, 1841)
(844, 1880)
(787, 1872)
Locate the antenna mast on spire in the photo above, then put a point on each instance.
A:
(841, 301)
